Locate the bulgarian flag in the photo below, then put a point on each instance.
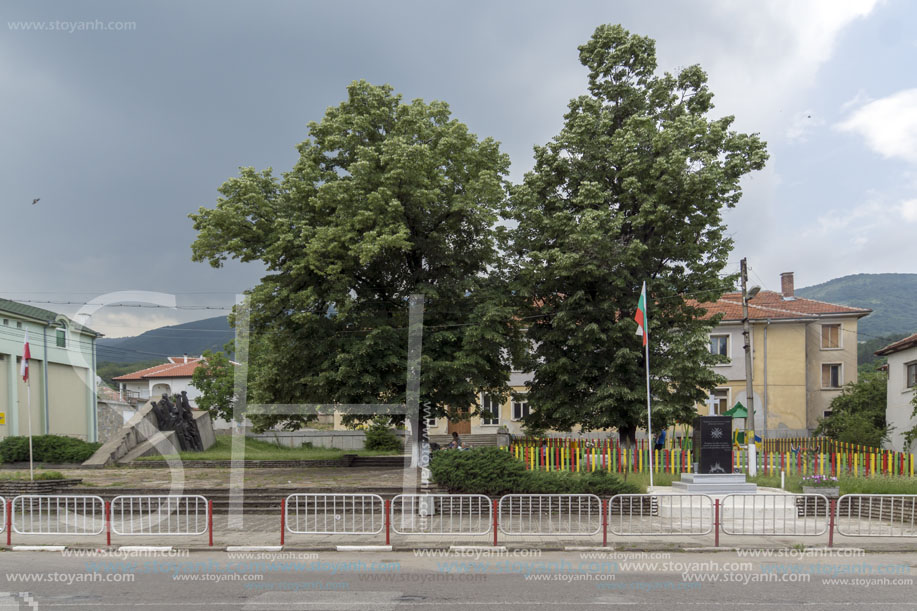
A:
(640, 316)
(26, 355)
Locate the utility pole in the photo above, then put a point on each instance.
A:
(749, 391)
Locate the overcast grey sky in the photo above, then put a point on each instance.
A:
(123, 131)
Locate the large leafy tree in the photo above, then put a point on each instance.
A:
(631, 189)
(388, 199)
(858, 413)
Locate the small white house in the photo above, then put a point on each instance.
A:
(902, 384)
(171, 378)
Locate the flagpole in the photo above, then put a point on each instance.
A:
(649, 423)
(28, 391)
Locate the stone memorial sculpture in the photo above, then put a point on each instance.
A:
(178, 417)
(191, 433)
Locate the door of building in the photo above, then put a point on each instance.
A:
(462, 427)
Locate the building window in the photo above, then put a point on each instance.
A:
(6, 322)
(911, 376)
(520, 409)
(61, 335)
(720, 401)
(831, 376)
(830, 336)
(719, 344)
(491, 410)
(431, 422)
(18, 325)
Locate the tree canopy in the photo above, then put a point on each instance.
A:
(631, 189)
(214, 378)
(388, 199)
(858, 413)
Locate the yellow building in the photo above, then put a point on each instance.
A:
(803, 352)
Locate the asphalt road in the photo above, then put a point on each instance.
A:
(529, 579)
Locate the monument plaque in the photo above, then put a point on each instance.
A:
(713, 444)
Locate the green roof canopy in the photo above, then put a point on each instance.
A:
(738, 411)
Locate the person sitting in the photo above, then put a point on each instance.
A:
(456, 443)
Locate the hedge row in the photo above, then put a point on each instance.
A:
(493, 471)
(47, 449)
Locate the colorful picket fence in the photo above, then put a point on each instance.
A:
(557, 454)
(581, 455)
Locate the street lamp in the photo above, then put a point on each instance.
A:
(748, 294)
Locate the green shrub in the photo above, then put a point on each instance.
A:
(494, 471)
(477, 471)
(47, 448)
(379, 437)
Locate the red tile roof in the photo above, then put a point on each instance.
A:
(772, 305)
(898, 346)
(166, 370)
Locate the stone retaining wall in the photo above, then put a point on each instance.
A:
(9, 489)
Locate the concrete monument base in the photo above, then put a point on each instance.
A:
(714, 483)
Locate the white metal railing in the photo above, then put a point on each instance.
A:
(550, 514)
(774, 514)
(330, 514)
(34, 514)
(441, 514)
(653, 514)
(3, 523)
(877, 515)
(150, 514)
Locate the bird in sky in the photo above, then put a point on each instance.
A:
(36, 200)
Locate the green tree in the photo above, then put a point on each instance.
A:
(631, 189)
(214, 379)
(387, 199)
(858, 413)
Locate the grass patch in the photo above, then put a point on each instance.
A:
(19, 476)
(642, 480)
(255, 449)
(879, 484)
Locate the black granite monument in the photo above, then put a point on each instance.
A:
(713, 444)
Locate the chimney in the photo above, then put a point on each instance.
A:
(791, 288)
(786, 285)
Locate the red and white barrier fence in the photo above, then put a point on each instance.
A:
(540, 515)
(550, 514)
(652, 514)
(149, 515)
(86, 515)
(334, 514)
(441, 514)
(774, 514)
(58, 515)
(877, 515)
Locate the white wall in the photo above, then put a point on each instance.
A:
(899, 408)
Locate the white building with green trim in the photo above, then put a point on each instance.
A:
(62, 374)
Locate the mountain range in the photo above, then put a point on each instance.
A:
(891, 297)
(191, 338)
